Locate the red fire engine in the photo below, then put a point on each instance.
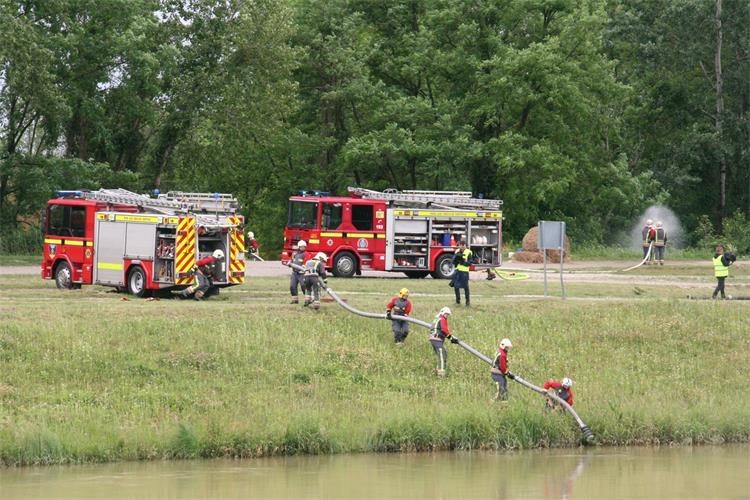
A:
(137, 243)
(413, 232)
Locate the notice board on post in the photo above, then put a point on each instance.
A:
(552, 237)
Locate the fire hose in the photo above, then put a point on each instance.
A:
(587, 434)
(645, 259)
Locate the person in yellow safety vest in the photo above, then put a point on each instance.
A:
(462, 261)
(722, 260)
(314, 268)
(648, 235)
(660, 241)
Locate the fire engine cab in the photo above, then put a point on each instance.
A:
(413, 232)
(137, 243)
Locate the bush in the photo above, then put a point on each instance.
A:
(21, 242)
(737, 233)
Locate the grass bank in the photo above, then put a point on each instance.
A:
(88, 377)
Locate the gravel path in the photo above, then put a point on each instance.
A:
(578, 272)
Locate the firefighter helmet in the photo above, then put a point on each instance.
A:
(301, 244)
(567, 383)
(505, 343)
(650, 221)
(321, 256)
(251, 235)
(445, 312)
(403, 293)
(218, 254)
(658, 223)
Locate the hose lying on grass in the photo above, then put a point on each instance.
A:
(645, 259)
(587, 434)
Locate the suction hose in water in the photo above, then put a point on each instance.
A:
(588, 436)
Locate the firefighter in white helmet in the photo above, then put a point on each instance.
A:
(439, 332)
(251, 245)
(206, 270)
(648, 233)
(315, 270)
(499, 371)
(660, 242)
(297, 279)
(562, 389)
(400, 305)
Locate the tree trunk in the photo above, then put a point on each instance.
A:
(720, 117)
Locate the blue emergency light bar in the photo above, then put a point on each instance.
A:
(314, 193)
(68, 194)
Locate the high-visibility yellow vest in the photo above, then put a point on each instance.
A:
(720, 270)
(464, 266)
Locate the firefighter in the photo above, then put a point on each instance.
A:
(297, 279)
(660, 241)
(399, 305)
(648, 233)
(722, 260)
(252, 245)
(499, 371)
(439, 332)
(462, 259)
(314, 268)
(562, 389)
(205, 271)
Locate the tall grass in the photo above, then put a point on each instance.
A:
(86, 376)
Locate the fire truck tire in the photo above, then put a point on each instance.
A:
(443, 267)
(416, 274)
(344, 265)
(64, 277)
(137, 282)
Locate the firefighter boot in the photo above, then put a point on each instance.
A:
(316, 305)
(199, 295)
(295, 300)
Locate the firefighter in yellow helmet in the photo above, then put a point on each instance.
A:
(400, 305)
(660, 242)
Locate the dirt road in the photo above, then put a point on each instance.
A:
(680, 273)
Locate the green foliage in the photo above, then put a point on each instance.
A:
(736, 233)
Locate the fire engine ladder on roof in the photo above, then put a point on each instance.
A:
(211, 202)
(447, 199)
(125, 197)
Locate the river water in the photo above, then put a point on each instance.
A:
(686, 472)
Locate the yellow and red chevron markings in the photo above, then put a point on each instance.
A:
(185, 248)
(236, 249)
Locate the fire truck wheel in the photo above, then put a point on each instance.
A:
(137, 282)
(345, 265)
(64, 277)
(443, 267)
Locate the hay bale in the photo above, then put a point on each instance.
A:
(528, 257)
(530, 244)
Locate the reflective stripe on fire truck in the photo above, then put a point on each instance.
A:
(53, 241)
(432, 213)
(312, 240)
(144, 219)
(74, 243)
(236, 247)
(111, 266)
(360, 235)
(185, 248)
(331, 235)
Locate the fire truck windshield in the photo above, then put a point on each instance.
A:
(303, 215)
